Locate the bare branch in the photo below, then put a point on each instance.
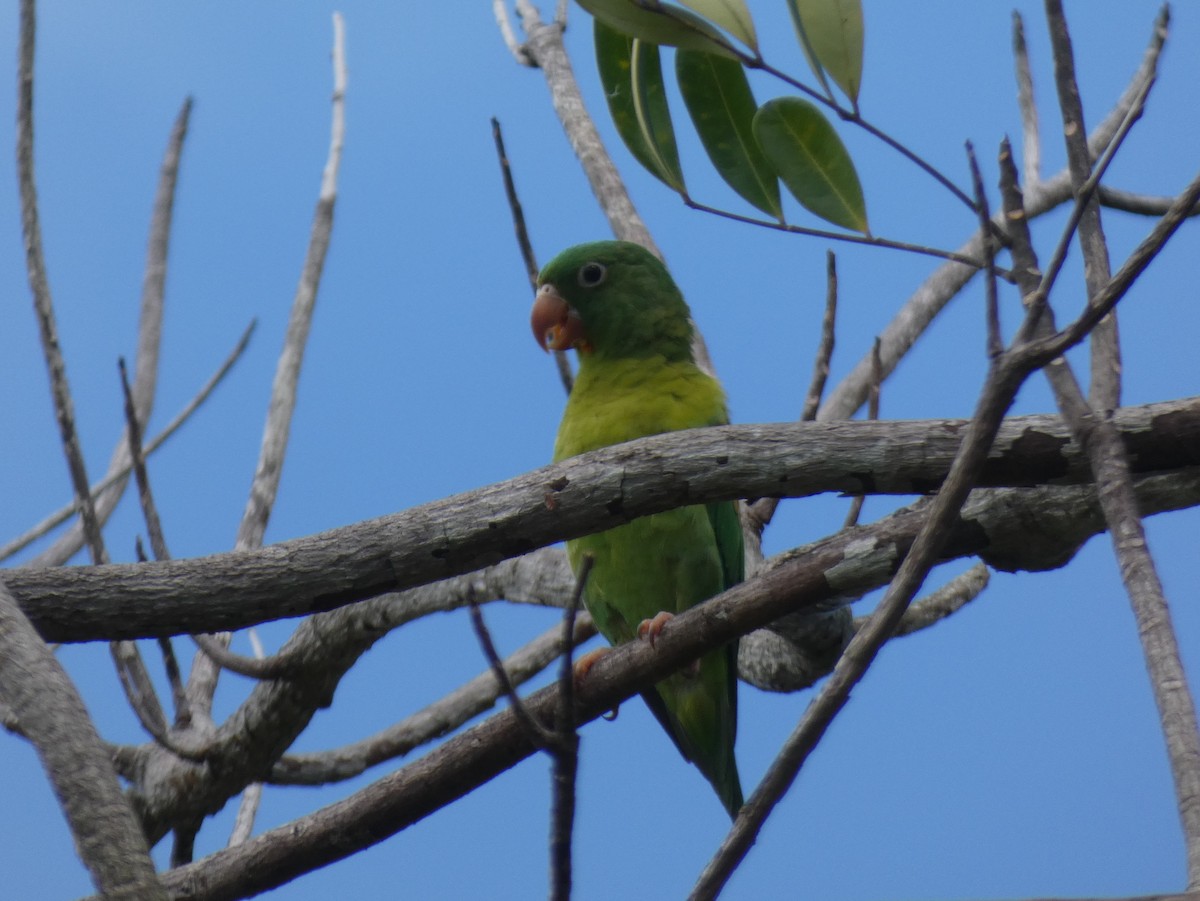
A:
(1108, 460)
(872, 414)
(1031, 144)
(64, 513)
(39, 285)
(1105, 389)
(265, 484)
(995, 342)
(42, 699)
(434, 721)
(590, 493)
(799, 581)
(566, 749)
(1037, 528)
(936, 606)
(287, 373)
(504, 23)
(277, 666)
(518, 217)
(1005, 376)
(1140, 204)
(514, 206)
(542, 737)
(243, 824)
(816, 387)
(158, 542)
(544, 47)
(110, 489)
(945, 283)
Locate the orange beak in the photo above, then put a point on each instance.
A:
(556, 325)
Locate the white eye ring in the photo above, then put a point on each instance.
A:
(592, 274)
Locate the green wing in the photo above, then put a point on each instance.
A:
(728, 531)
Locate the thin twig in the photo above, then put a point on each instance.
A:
(543, 738)
(247, 812)
(527, 254)
(845, 237)
(1085, 193)
(291, 358)
(995, 343)
(1031, 143)
(500, 11)
(39, 286)
(158, 542)
(265, 485)
(873, 397)
(131, 671)
(1105, 390)
(440, 718)
(64, 513)
(566, 749)
(514, 205)
(937, 605)
(816, 386)
(279, 666)
(1139, 204)
(149, 341)
(1110, 463)
(183, 714)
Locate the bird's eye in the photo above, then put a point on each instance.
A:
(592, 274)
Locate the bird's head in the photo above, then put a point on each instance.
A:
(611, 299)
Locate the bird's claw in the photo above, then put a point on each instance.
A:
(651, 628)
(585, 662)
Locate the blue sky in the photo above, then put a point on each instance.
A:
(1011, 751)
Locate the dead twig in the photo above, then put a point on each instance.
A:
(269, 470)
(566, 749)
(64, 513)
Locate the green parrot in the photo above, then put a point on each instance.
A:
(617, 305)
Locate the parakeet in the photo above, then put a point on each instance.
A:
(619, 308)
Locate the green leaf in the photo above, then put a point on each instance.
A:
(653, 114)
(810, 158)
(831, 34)
(722, 108)
(670, 25)
(732, 15)
(613, 59)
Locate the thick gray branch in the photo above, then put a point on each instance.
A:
(1003, 524)
(41, 698)
(589, 493)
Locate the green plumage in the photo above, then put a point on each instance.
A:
(637, 377)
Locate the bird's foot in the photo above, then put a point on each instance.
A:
(585, 662)
(650, 629)
(583, 665)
